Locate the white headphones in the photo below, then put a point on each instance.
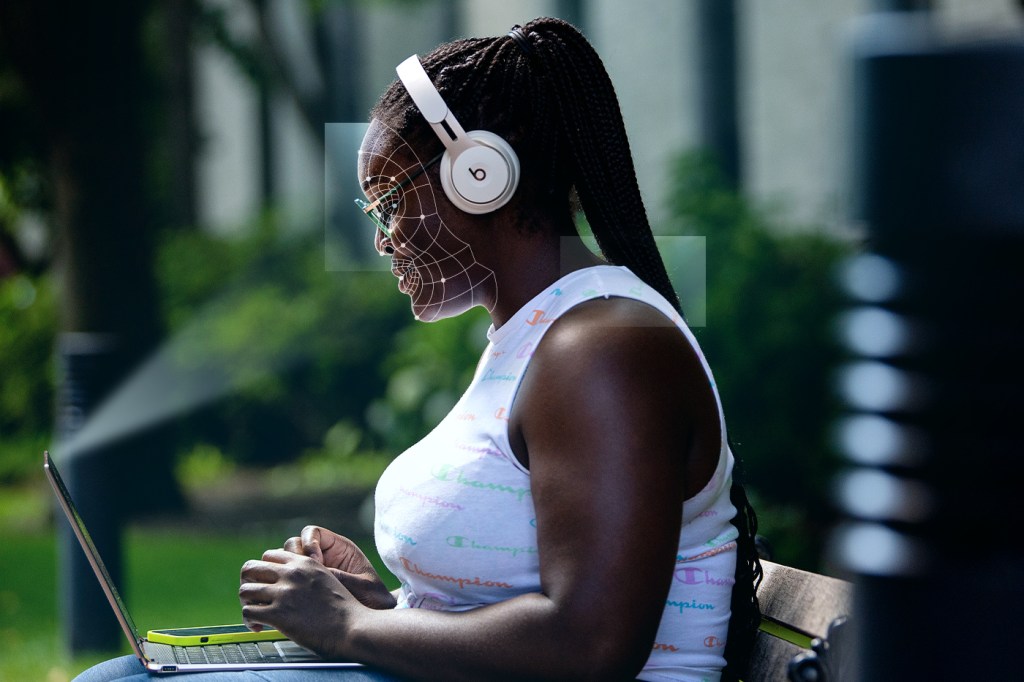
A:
(479, 170)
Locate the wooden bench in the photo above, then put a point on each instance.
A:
(803, 636)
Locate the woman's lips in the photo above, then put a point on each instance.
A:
(407, 278)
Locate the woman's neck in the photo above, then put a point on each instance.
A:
(528, 263)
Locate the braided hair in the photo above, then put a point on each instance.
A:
(545, 90)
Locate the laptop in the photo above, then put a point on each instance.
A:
(237, 649)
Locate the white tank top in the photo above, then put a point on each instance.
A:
(455, 520)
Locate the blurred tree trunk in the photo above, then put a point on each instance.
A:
(572, 11)
(83, 67)
(182, 140)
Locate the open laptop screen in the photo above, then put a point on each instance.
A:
(78, 526)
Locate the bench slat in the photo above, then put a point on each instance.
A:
(806, 601)
(801, 602)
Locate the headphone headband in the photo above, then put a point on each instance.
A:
(426, 97)
(432, 106)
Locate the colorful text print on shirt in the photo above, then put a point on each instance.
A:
(491, 375)
(453, 474)
(727, 547)
(397, 535)
(538, 317)
(480, 450)
(462, 582)
(693, 604)
(699, 576)
(463, 542)
(430, 500)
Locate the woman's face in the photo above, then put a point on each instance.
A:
(435, 267)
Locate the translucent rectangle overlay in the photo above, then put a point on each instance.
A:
(348, 234)
(686, 261)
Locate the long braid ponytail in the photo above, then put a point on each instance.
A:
(551, 98)
(601, 160)
(605, 180)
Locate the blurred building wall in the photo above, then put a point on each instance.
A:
(227, 120)
(794, 101)
(793, 94)
(648, 48)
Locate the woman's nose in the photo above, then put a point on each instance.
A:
(383, 244)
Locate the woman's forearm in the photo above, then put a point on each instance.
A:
(522, 638)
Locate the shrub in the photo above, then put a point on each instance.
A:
(28, 328)
(771, 306)
(298, 348)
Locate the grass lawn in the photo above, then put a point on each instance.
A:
(158, 566)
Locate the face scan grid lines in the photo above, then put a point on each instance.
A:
(435, 267)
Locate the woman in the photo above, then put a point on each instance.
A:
(574, 516)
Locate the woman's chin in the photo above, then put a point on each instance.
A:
(432, 311)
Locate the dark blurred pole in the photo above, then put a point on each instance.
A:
(571, 11)
(340, 52)
(183, 142)
(88, 368)
(451, 23)
(901, 5)
(716, 70)
(932, 495)
(265, 97)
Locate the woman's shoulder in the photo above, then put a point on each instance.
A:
(617, 337)
(602, 320)
(617, 366)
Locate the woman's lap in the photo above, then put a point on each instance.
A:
(129, 669)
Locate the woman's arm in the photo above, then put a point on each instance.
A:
(612, 415)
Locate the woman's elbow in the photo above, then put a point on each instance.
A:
(612, 655)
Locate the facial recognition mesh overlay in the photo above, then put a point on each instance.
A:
(403, 215)
(686, 261)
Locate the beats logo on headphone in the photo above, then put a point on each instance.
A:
(479, 170)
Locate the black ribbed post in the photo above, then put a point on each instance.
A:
(936, 333)
(88, 367)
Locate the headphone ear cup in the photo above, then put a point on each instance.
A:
(482, 178)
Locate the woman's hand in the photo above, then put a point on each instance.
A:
(346, 562)
(300, 597)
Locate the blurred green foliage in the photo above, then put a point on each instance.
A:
(28, 328)
(336, 371)
(430, 366)
(305, 345)
(769, 338)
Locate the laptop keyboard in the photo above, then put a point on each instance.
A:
(245, 652)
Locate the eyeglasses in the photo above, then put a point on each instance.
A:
(383, 209)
